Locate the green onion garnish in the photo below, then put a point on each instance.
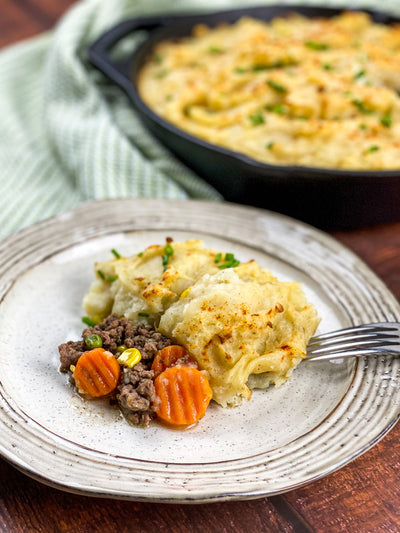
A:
(359, 74)
(230, 261)
(257, 118)
(276, 86)
(168, 251)
(373, 148)
(117, 255)
(88, 321)
(217, 258)
(362, 107)
(106, 278)
(386, 120)
(313, 45)
(141, 313)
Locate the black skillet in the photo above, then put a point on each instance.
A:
(329, 199)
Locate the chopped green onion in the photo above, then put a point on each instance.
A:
(270, 145)
(279, 109)
(215, 50)
(386, 121)
(359, 74)
(168, 251)
(94, 341)
(106, 278)
(229, 261)
(313, 45)
(143, 314)
(257, 118)
(117, 255)
(88, 321)
(362, 107)
(276, 86)
(157, 58)
(217, 258)
(373, 148)
(241, 70)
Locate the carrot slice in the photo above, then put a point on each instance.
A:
(168, 356)
(183, 394)
(97, 372)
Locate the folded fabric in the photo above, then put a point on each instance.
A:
(69, 136)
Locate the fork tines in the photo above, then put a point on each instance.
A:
(367, 339)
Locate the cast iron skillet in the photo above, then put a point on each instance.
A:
(329, 199)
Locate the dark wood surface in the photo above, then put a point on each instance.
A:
(362, 497)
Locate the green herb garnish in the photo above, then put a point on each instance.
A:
(313, 45)
(143, 314)
(215, 50)
(88, 321)
(157, 58)
(386, 120)
(114, 252)
(279, 109)
(106, 278)
(257, 118)
(359, 74)
(373, 148)
(230, 261)
(362, 107)
(217, 258)
(270, 145)
(168, 251)
(276, 86)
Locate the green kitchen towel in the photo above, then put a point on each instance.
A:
(68, 135)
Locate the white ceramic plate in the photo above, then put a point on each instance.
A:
(325, 416)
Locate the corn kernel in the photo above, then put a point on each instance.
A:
(130, 357)
(185, 293)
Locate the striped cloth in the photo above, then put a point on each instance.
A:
(69, 136)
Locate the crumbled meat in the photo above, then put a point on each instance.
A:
(136, 394)
(70, 352)
(114, 332)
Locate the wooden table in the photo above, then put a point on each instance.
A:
(362, 497)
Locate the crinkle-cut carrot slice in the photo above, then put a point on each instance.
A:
(168, 356)
(183, 394)
(97, 372)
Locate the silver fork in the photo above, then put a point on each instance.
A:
(381, 338)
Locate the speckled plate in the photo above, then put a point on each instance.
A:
(325, 416)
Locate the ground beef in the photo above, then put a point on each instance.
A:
(136, 394)
(115, 332)
(70, 352)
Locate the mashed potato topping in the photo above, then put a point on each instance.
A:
(293, 91)
(245, 328)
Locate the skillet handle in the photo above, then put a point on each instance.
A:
(98, 52)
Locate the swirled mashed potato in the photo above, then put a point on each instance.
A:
(294, 91)
(245, 328)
